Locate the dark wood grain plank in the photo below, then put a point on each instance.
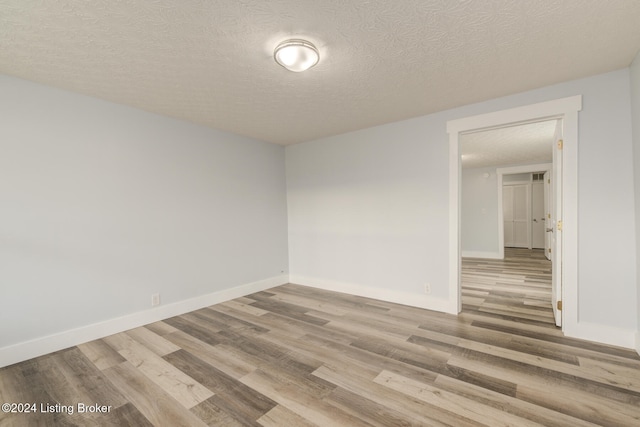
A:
(231, 396)
(155, 404)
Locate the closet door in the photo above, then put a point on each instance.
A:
(507, 214)
(521, 212)
(516, 203)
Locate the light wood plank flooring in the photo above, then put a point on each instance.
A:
(298, 356)
(516, 288)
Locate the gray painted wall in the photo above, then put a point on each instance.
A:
(479, 211)
(635, 120)
(102, 205)
(370, 207)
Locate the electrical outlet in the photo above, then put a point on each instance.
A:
(155, 300)
(427, 288)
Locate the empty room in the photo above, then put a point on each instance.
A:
(297, 213)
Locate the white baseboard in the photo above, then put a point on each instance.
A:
(415, 300)
(479, 254)
(37, 347)
(638, 342)
(626, 338)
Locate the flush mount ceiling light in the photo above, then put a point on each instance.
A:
(296, 55)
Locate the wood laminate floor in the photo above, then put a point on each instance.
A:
(298, 356)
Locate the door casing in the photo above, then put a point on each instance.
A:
(566, 109)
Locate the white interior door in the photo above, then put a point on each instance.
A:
(537, 215)
(556, 235)
(507, 216)
(516, 205)
(547, 214)
(521, 210)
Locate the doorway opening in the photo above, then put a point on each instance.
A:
(566, 110)
(514, 281)
(507, 202)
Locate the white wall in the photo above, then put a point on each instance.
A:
(364, 211)
(606, 269)
(635, 120)
(102, 205)
(369, 208)
(479, 213)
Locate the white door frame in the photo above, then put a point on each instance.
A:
(566, 109)
(500, 172)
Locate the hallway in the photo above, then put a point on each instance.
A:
(517, 288)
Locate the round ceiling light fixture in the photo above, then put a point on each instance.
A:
(296, 55)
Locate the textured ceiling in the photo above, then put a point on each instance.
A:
(524, 144)
(210, 61)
